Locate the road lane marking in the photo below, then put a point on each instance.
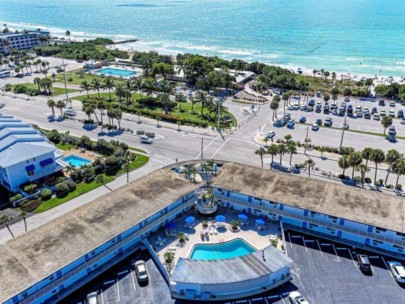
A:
(219, 149)
(289, 239)
(310, 241)
(118, 291)
(341, 248)
(296, 236)
(325, 244)
(374, 257)
(386, 265)
(102, 297)
(334, 249)
(133, 280)
(354, 262)
(272, 297)
(282, 299)
(122, 272)
(109, 282)
(303, 240)
(319, 246)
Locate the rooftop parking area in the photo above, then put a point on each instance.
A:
(326, 272)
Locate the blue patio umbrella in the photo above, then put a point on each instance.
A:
(260, 221)
(171, 225)
(242, 217)
(190, 220)
(220, 218)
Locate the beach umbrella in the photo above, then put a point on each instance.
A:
(220, 218)
(242, 217)
(190, 220)
(260, 221)
(171, 225)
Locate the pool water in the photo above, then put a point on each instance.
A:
(116, 72)
(76, 161)
(227, 250)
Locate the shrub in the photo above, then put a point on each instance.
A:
(16, 197)
(389, 186)
(30, 206)
(54, 136)
(140, 132)
(76, 176)
(367, 180)
(118, 152)
(30, 189)
(150, 134)
(89, 174)
(381, 182)
(357, 179)
(20, 89)
(342, 176)
(46, 194)
(112, 161)
(61, 189)
(71, 185)
(398, 187)
(61, 179)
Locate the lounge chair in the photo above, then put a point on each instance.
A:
(211, 231)
(215, 231)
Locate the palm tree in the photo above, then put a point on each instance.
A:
(68, 34)
(5, 220)
(86, 87)
(366, 154)
(386, 121)
(272, 150)
(274, 106)
(314, 72)
(101, 107)
(399, 169)
(282, 149)
(362, 168)
(109, 84)
(166, 102)
(96, 86)
(52, 104)
(344, 163)
(311, 164)
(377, 157)
(292, 149)
(37, 81)
(355, 160)
(261, 151)
(149, 85)
(168, 256)
(60, 105)
(322, 150)
(138, 84)
(23, 214)
(100, 179)
(392, 157)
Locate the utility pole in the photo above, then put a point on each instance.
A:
(219, 115)
(64, 80)
(305, 141)
(202, 156)
(343, 132)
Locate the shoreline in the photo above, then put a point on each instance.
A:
(135, 44)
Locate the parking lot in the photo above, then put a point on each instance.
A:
(326, 272)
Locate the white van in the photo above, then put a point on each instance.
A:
(91, 298)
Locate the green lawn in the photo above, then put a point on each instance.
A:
(76, 77)
(64, 147)
(176, 114)
(55, 91)
(81, 189)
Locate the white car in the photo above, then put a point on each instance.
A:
(391, 113)
(383, 113)
(376, 116)
(296, 298)
(402, 121)
(271, 134)
(398, 271)
(315, 127)
(141, 271)
(91, 298)
(69, 111)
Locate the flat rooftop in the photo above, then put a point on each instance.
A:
(365, 206)
(226, 271)
(32, 256)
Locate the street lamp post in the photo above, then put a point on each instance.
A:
(305, 141)
(343, 132)
(64, 80)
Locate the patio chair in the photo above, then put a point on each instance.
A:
(211, 230)
(215, 231)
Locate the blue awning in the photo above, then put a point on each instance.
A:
(46, 162)
(30, 168)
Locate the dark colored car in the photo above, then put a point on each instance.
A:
(374, 110)
(328, 122)
(319, 122)
(303, 119)
(349, 110)
(363, 262)
(400, 113)
(381, 102)
(311, 102)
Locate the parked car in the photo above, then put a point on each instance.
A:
(383, 112)
(347, 99)
(145, 139)
(333, 106)
(381, 102)
(402, 121)
(141, 271)
(296, 298)
(2, 105)
(271, 134)
(303, 107)
(328, 122)
(326, 109)
(359, 108)
(346, 126)
(392, 103)
(392, 131)
(363, 262)
(296, 106)
(318, 108)
(319, 122)
(374, 110)
(398, 271)
(376, 116)
(391, 113)
(69, 111)
(359, 113)
(400, 114)
(342, 110)
(303, 119)
(290, 124)
(315, 127)
(92, 298)
(367, 115)
(334, 112)
(311, 102)
(350, 110)
(287, 116)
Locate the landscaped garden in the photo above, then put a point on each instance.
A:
(111, 160)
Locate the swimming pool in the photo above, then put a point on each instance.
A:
(76, 161)
(115, 72)
(226, 250)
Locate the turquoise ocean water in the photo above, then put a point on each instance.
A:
(358, 36)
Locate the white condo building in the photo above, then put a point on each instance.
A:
(25, 154)
(24, 40)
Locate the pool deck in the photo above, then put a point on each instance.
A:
(259, 239)
(86, 154)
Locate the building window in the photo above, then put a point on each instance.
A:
(30, 172)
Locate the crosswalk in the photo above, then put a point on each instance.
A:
(162, 159)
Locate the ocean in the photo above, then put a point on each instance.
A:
(357, 36)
